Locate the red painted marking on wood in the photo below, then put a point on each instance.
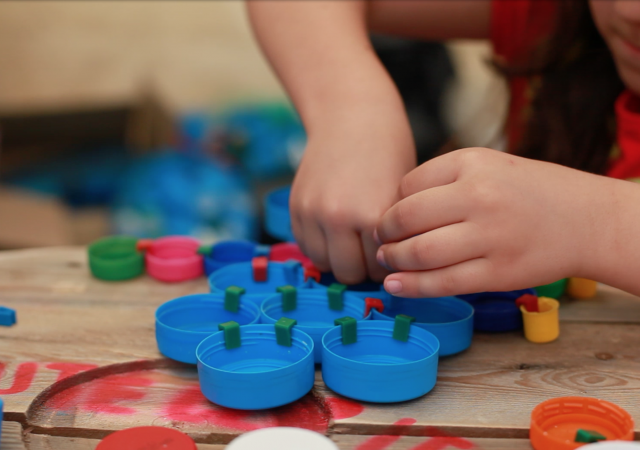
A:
(103, 395)
(383, 441)
(441, 443)
(189, 405)
(341, 408)
(22, 379)
(68, 369)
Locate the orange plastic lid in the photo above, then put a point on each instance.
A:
(554, 423)
(147, 438)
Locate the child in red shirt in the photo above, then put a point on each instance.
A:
(474, 219)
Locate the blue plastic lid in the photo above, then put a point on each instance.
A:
(260, 373)
(448, 318)
(228, 252)
(241, 274)
(182, 323)
(496, 311)
(277, 217)
(379, 368)
(312, 312)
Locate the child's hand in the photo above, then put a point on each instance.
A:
(348, 178)
(480, 220)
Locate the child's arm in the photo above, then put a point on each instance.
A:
(360, 143)
(479, 220)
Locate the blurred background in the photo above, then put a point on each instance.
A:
(153, 118)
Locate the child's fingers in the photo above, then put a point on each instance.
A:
(374, 269)
(422, 212)
(346, 256)
(465, 278)
(438, 248)
(439, 171)
(313, 243)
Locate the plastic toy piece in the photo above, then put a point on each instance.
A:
(144, 244)
(372, 303)
(543, 326)
(379, 368)
(581, 288)
(335, 292)
(589, 436)
(147, 438)
(205, 250)
(115, 258)
(174, 259)
(313, 273)
(349, 329)
(283, 331)
(282, 438)
(259, 375)
(401, 327)
(552, 290)
(260, 265)
(262, 250)
(448, 318)
(232, 298)
(289, 296)
(231, 334)
(555, 422)
(7, 316)
(530, 302)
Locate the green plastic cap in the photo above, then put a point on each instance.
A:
(115, 258)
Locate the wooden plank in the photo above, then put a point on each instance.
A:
(12, 436)
(83, 361)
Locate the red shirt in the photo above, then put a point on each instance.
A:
(517, 27)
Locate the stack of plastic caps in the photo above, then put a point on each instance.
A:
(540, 316)
(282, 438)
(567, 423)
(147, 438)
(181, 258)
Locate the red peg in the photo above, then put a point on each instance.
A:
(374, 303)
(310, 271)
(259, 265)
(529, 301)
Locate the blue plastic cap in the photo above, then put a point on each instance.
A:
(448, 318)
(259, 375)
(378, 368)
(277, 216)
(496, 311)
(228, 252)
(7, 316)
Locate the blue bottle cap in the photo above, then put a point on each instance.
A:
(448, 318)
(378, 368)
(496, 311)
(182, 323)
(277, 217)
(242, 275)
(228, 252)
(312, 313)
(259, 374)
(7, 316)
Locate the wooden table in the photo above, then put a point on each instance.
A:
(82, 362)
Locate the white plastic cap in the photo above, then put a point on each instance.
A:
(282, 438)
(613, 445)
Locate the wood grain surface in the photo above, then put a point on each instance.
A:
(82, 362)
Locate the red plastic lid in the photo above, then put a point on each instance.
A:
(147, 438)
(285, 251)
(554, 423)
